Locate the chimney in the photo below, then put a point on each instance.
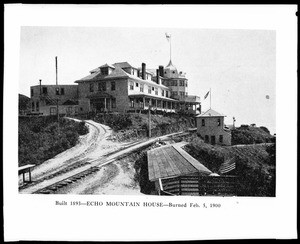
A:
(40, 87)
(161, 71)
(157, 76)
(143, 71)
(138, 73)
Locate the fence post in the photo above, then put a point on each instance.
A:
(179, 185)
(199, 184)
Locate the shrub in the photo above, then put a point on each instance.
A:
(41, 138)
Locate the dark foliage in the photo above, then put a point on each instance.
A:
(250, 135)
(115, 121)
(41, 138)
(255, 165)
(23, 102)
(141, 175)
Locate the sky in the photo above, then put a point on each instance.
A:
(239, 66)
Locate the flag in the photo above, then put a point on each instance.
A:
(206, 95)
(168, 36)
(227, 166)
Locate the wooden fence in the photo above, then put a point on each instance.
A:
(200, 185)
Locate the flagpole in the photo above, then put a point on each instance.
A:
(170, 47)
(210, 98)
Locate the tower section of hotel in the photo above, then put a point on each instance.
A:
(178, 84)
(120, 87)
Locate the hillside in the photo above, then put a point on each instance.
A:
(255, 164)
(251, 134)
(23, 102)
(133, 126)
(40, 138)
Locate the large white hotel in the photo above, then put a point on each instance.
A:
(118, 87)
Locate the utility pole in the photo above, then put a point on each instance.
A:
(149, 120)
(233, 122)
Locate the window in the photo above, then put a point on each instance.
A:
(113, 85)
(221, 138)
(181, 83)
(167, 94)
(137, 84)
(37, 105)
(113, 103)
(45, 91)
(62, 91)
(173, 72)
(149, 89)
(186, 83)
(206, 138)
(32, 106)
(186, 94)
(163, 92)
(69, 110)
(142, 87)
(203, 122)
(182, 94)
(31, 92)
(52, 111)
(219, 122)
(152, 88)
(57, 91)
(104, 71)
(156, 91)
(131, 85)
(175, 83)
(102, 86)
(91, 87)
(131, 102)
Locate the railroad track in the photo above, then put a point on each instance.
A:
(96, 164)
(67, 181)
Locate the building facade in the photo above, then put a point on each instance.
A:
(45, 99)
(119, 87)
(210, 126)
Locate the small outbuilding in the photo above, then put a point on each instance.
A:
(210, 126)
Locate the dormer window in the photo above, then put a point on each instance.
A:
(104, 71)
(219, 122)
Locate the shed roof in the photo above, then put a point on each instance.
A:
(211, 113)
(172, 161)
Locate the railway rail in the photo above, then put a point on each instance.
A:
(89, 167)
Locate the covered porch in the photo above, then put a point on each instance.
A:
(102, 102)
(159, 104)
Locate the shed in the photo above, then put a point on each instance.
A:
(172, 161)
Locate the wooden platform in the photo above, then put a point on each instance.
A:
(172, 161)
(24, 169)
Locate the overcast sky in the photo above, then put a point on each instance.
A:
(238, 65)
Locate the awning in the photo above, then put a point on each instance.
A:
(153, 97)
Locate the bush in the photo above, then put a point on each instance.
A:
(41, 138)
(250, 135)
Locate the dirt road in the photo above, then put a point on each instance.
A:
(92, 146)
(93, 150)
